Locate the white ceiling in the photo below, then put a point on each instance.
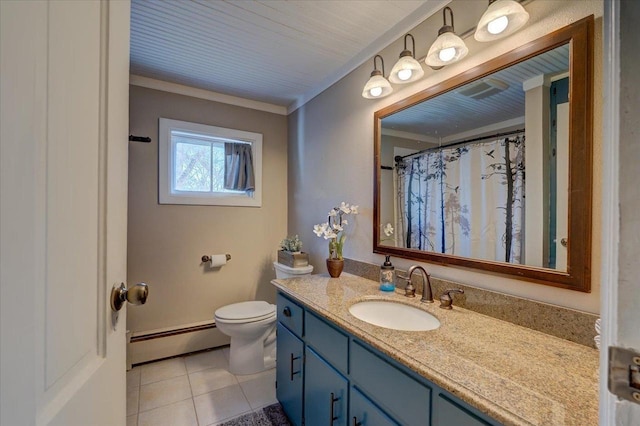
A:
(275, 51)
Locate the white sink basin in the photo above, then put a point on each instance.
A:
(396, 316)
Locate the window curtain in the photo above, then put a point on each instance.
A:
(238, 167)
(465, 201)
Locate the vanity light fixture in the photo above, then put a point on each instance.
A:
(377, 86)
(502, 17)
(407, 69)
(448, 47)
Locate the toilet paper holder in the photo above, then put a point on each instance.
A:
(206, 258)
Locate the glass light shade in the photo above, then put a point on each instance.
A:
(493, 19)
(376, 87)
(447, 49)
(406, 70)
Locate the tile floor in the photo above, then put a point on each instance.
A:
(194, 390)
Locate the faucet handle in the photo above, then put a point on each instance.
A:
(446, 302)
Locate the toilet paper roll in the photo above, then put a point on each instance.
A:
(218, 260)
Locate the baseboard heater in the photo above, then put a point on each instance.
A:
(158, 334)
(149, 345)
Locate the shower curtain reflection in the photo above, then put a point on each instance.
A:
(465, 200)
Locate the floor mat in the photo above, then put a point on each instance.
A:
(268, 416)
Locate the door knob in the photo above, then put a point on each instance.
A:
(136, 295)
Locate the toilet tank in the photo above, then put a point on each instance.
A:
(284, 271)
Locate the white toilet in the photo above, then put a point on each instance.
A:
(252, 328)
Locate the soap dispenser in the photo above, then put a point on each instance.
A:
(387, 275)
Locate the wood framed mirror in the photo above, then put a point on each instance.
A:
(492, 169)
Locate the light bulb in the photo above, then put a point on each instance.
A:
(498, 25)
(447, 54)
(375, 91)
(404, 74)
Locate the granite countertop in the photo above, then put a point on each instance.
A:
(515, 375)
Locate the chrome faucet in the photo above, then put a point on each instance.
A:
(410, 291)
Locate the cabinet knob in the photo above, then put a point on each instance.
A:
(356, 422)
(286, 311)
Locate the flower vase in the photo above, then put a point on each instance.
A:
(334, 266)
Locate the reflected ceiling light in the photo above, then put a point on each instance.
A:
(502, 17)
(448, 47)
(377, 86)
(407, 69)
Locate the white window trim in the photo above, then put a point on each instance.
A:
(165, 166)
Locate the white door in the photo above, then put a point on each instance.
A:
(63, 126)
(620, 291)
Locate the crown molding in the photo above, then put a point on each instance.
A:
(165, 86)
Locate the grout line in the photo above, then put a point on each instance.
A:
(193, 400)
(139, 398)
(238, 383)
(164, 405)
(242, 390)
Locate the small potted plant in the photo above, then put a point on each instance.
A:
(290, 253)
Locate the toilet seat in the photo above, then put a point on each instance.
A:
(244, 312)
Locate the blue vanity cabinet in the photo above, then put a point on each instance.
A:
(363, 412)
(325, 392)
(390, 387)
(290, 314)
(450, 411)
(325, 376)
(289, 374)
(290, 358)
(326, 387)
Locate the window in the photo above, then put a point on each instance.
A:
(207, 165)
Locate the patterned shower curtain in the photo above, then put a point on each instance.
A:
(465, 201)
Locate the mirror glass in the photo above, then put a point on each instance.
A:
(481, 171)
(491, 169)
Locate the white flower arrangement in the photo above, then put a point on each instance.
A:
(333, 228)
(386, 233)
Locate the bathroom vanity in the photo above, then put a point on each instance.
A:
(335, 369)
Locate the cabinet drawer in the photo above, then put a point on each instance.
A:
(290, 314)
(389, 387)
(326, 340)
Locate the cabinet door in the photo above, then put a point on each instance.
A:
(363, 412)
(325, 391)
(289, 364)
(389, 387)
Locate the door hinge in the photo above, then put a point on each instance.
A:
(624, 373)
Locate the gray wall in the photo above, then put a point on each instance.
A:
(166, 242)
(331, 147)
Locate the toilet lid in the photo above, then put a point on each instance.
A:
(246, 310)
